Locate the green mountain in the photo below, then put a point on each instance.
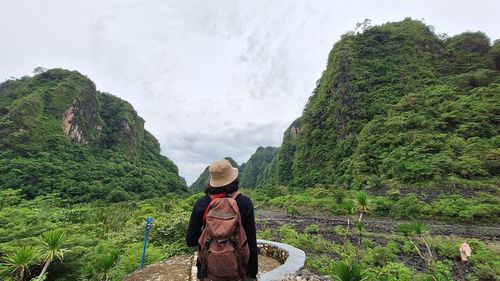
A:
(58, 134)
(279, 170)
(255, 166)
(202, 180)
(399, 107)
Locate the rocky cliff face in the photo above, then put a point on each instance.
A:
(79, 115)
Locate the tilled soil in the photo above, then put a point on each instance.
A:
(380, 225)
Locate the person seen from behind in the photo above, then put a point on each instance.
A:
(222, 225)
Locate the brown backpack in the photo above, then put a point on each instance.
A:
(223, 251)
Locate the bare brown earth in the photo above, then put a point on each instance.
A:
(379, 225)
(178, 268)
(174, 269)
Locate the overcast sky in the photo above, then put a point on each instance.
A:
(211, 78)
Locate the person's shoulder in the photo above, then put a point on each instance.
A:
(203, 201)
(243, 199)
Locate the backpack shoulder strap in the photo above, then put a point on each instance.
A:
(220, 195)
(235, 194)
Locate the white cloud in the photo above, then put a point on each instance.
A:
(203, 74)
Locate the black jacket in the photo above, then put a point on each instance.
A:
(248, 221)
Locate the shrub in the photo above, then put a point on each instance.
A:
(395, 272)
(343, 271)
(383, 255)
(312, 229)
(265, 234)
(382, 206)
(409, 207)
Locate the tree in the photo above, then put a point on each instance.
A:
(9, 197)
(348, 207)
(495, 55)
(363, 26)
(362, 201)
(419, 229)
(39, 70)
(362, 206)
(20, 261)
(53, 247)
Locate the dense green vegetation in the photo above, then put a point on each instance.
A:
(279, 170)
(102, 153)
(101, 241)
(398, 107)
(104, 241)
(484, 209)
(255, 166)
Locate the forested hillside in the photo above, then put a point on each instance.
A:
(254, 167)
(58, 134)
(399, 107)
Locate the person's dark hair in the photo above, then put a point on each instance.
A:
(230, 188)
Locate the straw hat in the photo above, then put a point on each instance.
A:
(222, 173)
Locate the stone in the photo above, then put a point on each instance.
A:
(465, 251)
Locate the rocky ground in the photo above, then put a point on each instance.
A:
(306, 275)
(174, 269)
(179, 268)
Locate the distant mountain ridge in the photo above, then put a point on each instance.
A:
(58, 134)
(255, 166)
(249, 172)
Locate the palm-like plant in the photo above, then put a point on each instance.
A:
(360, 226)
(103, 264)
(348, 207)
(53, 243)
(408, 230)
(404, 229)
(362, 201)
(348, 272)
(419, 229)
(19, 262)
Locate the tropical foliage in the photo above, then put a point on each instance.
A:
(53, 238)
(59, 135)
(254, 167)
(399, 107)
